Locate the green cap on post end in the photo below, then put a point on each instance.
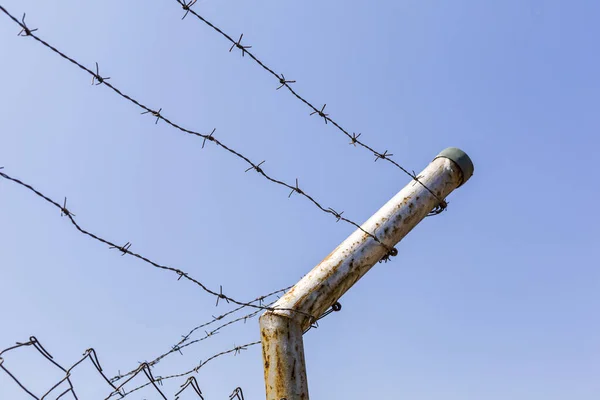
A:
(461, 159)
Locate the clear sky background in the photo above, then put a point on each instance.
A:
(496, 298)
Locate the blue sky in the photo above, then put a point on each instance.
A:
(496, 298)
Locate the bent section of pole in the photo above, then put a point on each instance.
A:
(281, 329)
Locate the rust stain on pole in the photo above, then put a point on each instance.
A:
(281, 329)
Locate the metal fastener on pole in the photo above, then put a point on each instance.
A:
(282, 329)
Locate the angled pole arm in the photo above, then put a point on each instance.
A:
(282, 329)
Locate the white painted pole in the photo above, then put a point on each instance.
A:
(281, 329)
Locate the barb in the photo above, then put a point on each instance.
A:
(283, 82)
(123, 249)
(154, 113)
(296, 189)
(186, 6)
(354, 138)
(239, 45)
(210, 137)
(336, 214)
(257, 168)
(25, 31)
(314, 110)
(221, 296)
(321, 113)
(383, 156)
(97, 79)
(64, 211)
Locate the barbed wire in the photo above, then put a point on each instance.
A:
(144, 367)
(126, 249)
(184, 342)
(191, 384)
(159, 379)
(294, 189)
(236, 350)
(283, 82)
(181, 344)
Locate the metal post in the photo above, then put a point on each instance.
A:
(281, 329)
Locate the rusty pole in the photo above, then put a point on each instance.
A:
(282, 329)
